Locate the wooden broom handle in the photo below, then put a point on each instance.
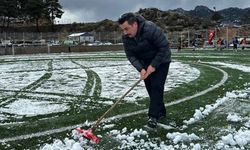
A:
(112, 107)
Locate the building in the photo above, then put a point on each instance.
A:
(84, 37)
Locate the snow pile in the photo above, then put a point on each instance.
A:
(139, 139)
(131, 139)
(247, 124)
(108, 126)
(177, 137)
(233, 66)
(239, 138)
(203, 112)
(77, 143)
(63, 145)
(234, 117)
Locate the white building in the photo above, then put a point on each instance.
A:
(82, 37)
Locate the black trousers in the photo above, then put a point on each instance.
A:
(155, 87)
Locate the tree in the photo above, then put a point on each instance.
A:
(8, 9)
(216, 16)
(12, 10)
(245, 19)
(21, 9)
(53, 11)
(3, 11)
(35, 10)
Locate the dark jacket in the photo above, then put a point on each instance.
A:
(149, 46)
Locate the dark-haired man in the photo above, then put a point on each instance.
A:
(147, 49)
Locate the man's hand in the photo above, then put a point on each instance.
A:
(150, 70)
(143, 73)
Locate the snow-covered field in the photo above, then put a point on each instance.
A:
(37, 88)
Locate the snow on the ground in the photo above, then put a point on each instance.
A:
(61, 98)
(108, 126)
(24, 65)
(5, 94)
(2, 117)
(67, 144)
(65, 82)
(233, 140)
(236, 138)
(18, 81)
(247, 124)
(27, 107)
(69, 78)
(233, 66)
(177, 137)
(135, 139)
(11, 79)
(234, 117)
(9, 58)
(127, 140)
(117, 79)
(202, 112)
(63, 64)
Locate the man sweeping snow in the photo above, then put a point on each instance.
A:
(147, 49)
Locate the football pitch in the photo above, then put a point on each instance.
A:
(43, 98)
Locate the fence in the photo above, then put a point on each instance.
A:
(33, 38)
(184, 39)
(11, 42)
(57, 49)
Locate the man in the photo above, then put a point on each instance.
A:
(243, 43)
(235, 43)
(147, 49)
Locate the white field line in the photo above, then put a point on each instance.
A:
(53, 131)
(93, 88)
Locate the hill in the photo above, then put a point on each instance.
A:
(229, 15)
(170, 20)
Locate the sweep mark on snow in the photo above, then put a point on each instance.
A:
(30, 87)
(93, 85)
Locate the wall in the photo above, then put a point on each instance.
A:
(58, 49)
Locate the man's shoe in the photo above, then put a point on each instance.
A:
(152, 122)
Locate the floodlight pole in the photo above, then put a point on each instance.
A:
(13, 49)
(227, 39)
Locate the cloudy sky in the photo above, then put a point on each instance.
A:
(96, 10)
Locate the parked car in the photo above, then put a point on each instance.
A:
(70, 42)
(5, 43)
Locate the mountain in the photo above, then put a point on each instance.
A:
(233, 14)
(169, 20)
(174, 20)
(201, 12)
(229, 15)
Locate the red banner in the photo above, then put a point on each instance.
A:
(211, 34)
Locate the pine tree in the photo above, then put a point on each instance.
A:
(53, 11)
(35, 10)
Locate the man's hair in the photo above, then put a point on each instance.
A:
(130, 17)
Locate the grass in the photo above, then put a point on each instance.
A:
(176, 114)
